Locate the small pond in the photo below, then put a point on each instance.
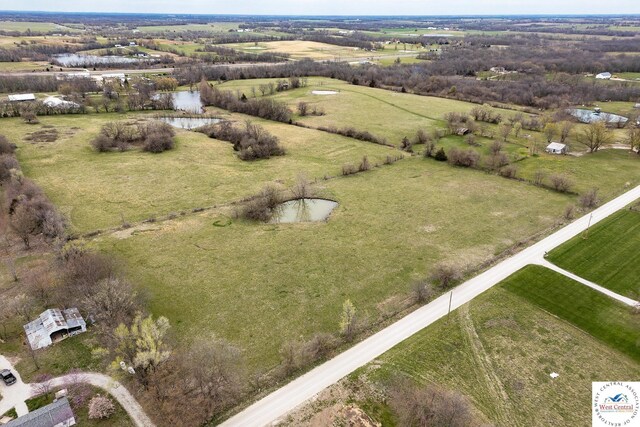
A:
(324, 92)
(189, 122)
(75, 60)
(590, 116)
(303, 210)
(187, 101)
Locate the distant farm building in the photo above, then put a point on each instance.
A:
(463, 131)
(56, 414)
(22, 97)
(54, 325)
(637, 105)
(556, 148)
(603, 76)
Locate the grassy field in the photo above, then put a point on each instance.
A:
(610, 256)
(23, 66)
(34, 26)
(259, 285)
(500, 349)
(97, 190)
(217, 27)
(299, 49)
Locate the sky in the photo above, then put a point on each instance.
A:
(333, 7)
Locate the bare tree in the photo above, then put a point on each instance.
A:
(348, 320)
(303, 108)
(633, 139)
(505, 130)
(566, 128)
(560, 183)
(550, 131)
(422, 291)
(589, 199)
(595, 135)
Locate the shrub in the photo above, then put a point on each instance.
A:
(261, 206)
(464, 158)
(589, 199)
(430, 406)
(445, 275)
(422, 291)
(538, 177)
(406, 145)
(569, 212)
(365, 165)
(497, 161)
(252, 142)
(508, 172)
(7, 164)
(560, 183)
(103, 143)
(158, 142)
(348, 169)
(440, 156)
(101, 407)
(5, 146)
(303, 108)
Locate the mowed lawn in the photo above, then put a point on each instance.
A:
(609, 256)
(599, 315)
(259, 285)
(97, 190)
(501, 348)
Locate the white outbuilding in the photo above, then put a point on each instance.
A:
(603, 76)
(22, 97)
(556, 148)
(54, 325)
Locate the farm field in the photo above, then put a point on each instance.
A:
(393, 115)
(299, 49)
(610, 256)
(24, 66)
(98, 190)
(259, 285)
(500, 349)
(24, 26)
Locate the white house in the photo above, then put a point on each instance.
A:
(603, 76)
(22, 97)
(556, 148)
(54, 325)
(132, 44)
(56, 414)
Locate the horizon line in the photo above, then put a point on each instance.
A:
(560, 15)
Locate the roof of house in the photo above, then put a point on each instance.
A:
(556, 146)
(22, 97)
(47, 416)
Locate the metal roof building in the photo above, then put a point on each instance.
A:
(54, 325)
(56, 414)
(22, 97)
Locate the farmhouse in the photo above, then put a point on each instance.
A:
(556, 148)
(603, 76)
(22, 97)
(56, 414)
(54, 325)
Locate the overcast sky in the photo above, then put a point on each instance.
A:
(334, 7)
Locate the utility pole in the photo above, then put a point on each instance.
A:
(586, 232)
(449, 312)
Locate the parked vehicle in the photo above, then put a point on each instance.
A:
(7, 377)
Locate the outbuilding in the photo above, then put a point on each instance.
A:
(22, 97)
(556, 148)
(603, 76)
(54, 325)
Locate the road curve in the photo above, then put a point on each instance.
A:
(282, 401)
(16, 394)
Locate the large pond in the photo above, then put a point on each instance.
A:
(75, 60)
(189, 122)
(187, 101)
(303, 210)
(590, 116)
